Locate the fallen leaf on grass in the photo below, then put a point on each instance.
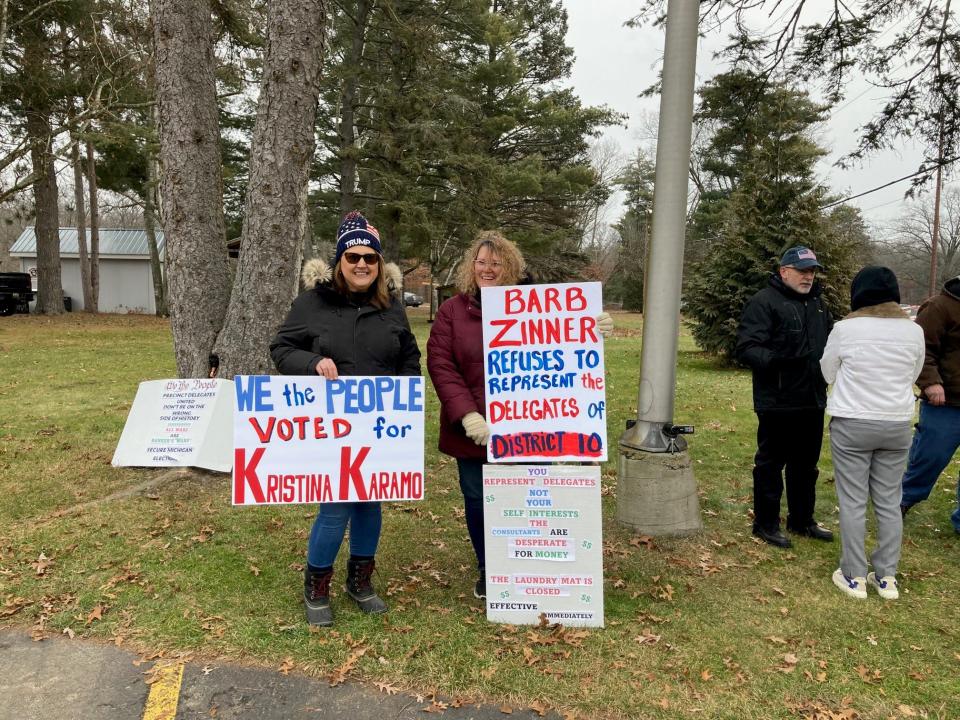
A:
(778, 591)
(529, 657)
(539, 708)
(917, 675)
(339, 675)
(41, 564)
(706, 675)
(906, 710)
(13, 605)
(255, 570)
(96, 614)
(435, 707)
(69, 633)
(286, 666)
(789, 664)
(642, 540)
(488, 673)
(506, 710)
(776, 640)
(647, 637)
(386, 688)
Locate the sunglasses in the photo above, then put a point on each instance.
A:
(369, 258)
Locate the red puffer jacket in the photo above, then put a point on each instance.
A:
(455, 364)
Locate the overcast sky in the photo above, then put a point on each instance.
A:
(615, 63)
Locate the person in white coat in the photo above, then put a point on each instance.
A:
(872, 358)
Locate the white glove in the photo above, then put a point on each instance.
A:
(604, 324)
(476, 428)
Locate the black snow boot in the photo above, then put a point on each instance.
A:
(359, 587)
(316, 595)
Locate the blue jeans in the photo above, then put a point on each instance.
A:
(365, 519)
(934, 443)
(471, 485)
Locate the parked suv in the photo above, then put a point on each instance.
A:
(412, 300)
(16, 292)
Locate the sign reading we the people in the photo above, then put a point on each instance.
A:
(544, 544)
(544, 372)
(178, 423)
(311, 440)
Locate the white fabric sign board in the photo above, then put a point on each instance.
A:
(305, 439)
(544, 373)
(179, 423)
(544, 544)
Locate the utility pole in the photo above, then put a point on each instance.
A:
(657, 493)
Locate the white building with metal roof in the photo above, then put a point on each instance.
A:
(126, 282)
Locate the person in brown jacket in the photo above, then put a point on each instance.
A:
(938, 432)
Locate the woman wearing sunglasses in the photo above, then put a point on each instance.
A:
(348, 321)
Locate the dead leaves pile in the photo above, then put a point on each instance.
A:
(810, 710)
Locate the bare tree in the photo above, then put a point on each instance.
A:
(909, 242)
(910, 49)
(80, 221)
(91, 171)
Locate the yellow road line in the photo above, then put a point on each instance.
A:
(164, 693)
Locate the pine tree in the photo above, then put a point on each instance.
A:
(764, 199)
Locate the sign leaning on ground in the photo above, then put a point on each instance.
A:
(544, 544)
(311, 440)
(544, 373)
(178, 423)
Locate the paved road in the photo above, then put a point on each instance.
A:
(61, 678)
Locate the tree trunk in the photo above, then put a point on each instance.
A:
(348, 101)
(149, 226)
(276, 209)
(45, 193)
(80, 221)
(94, 230)
(198, 275)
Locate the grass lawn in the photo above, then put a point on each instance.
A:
(712, 626)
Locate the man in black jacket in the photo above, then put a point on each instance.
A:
(781, 337)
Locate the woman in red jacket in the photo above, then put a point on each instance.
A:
(455, 363)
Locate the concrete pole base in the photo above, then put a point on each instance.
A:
(657, 493)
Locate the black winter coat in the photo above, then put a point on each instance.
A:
(360, 339)
(781, 336)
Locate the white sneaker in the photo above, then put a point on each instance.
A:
(852, 586)
(886, 586)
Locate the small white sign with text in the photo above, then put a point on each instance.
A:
(179, 423)
(544, 544)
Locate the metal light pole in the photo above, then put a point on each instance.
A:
(657, 492)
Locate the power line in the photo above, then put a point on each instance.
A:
(921, 171)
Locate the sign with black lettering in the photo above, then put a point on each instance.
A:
(544, 544)
(179, 423)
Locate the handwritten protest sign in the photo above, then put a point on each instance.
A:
(544, 549)
(544, 373)
(178, 423)
(312, 440)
